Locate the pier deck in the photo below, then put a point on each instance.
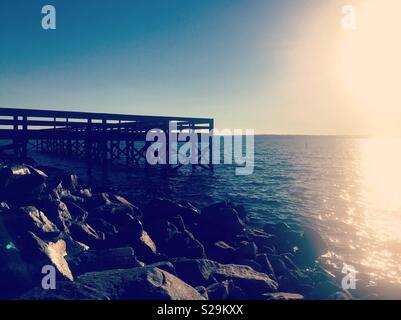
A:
(97, 137)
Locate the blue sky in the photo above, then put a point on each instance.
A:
(237, 61)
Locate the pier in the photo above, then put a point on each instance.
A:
(99, 138)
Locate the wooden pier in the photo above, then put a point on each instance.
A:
(99, 138)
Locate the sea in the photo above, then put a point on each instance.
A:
(346, 188)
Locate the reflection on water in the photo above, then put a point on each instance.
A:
(380, 184)
(348, 189)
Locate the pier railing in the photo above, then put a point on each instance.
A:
(103, 136)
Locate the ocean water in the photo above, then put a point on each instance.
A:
(348, 189)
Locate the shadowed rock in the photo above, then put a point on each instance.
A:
(147, 283)
(205, 272)
(283, 296)
(65, 290)
(100, 260)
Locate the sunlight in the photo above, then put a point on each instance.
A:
(369, 60)
(381, 186)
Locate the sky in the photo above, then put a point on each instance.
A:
(279, 66)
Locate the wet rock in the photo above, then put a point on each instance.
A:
(100, 260)
(311, 244)
(265, 265)
(146, 283)
(205, 272)
(283, 296)
(276, 228)
(296, 281)
(340, 295)
(277, 263)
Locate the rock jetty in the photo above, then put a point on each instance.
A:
(104, 247)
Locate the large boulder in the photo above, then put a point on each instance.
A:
(220, 222)
(221, 252)
(21, 265)
(57, 211)
(199, 272)
(100, 260)
(18, 182)
(225, 290)
(65, 290)
(146, 283)
(164, 209)
(84, 233)
(19, 222)
(311, 244)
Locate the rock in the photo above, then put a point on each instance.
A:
(265, 265)
(146, 283)
(221, 252)
(251, 263)
(19, 222)
(203, 292)
(277, 263)
(174, 241)
(241, 212)
(100, 260)
(4, 207)
(221, 290)
(165, 209)
(311, 244)
(220, 222)
(283, 296)
(205, 272)
(146, 249)
(56, 211)
(122, 217)
(183, 244)
(65, 290)
(340, 295)
(77, 213)
(21, 264)
(85, 193)
(296, 281)
(70, 181)
(97, 200)
(276, 228)
(164, 265)
(84, 233)
(246, 250)
(18, 182)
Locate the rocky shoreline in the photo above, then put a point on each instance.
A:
(105, 247)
